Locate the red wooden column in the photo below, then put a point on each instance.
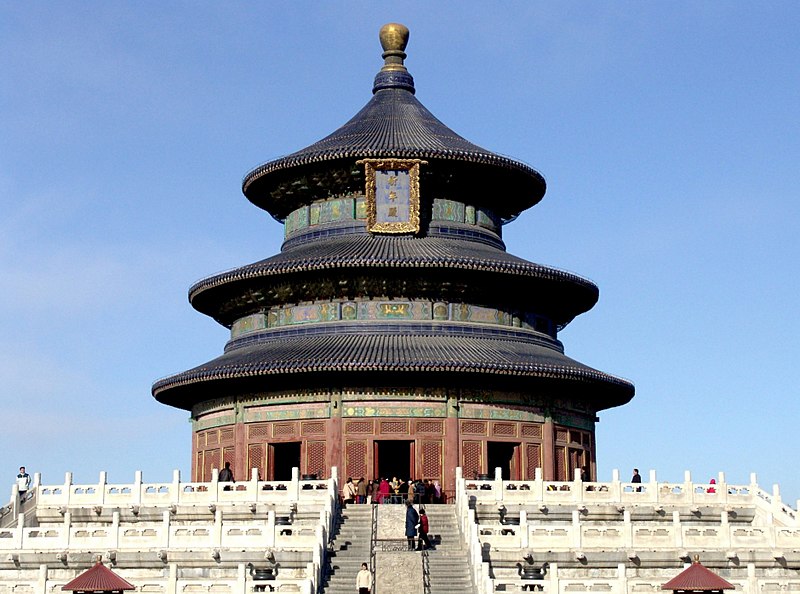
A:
(193, 465)
(335, 451)
(548, 447)
(451, 443)
(240, 470)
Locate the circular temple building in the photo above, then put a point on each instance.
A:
(393, 335)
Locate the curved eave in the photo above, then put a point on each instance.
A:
(413, 358)
(387, 255)
(394, 124)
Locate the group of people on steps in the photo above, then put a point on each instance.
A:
(394, 491)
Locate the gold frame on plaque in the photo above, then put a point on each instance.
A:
(371, 166)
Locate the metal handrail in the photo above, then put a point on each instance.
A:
(426, 572)
(372, 547)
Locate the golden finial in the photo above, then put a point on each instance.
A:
(394, 38)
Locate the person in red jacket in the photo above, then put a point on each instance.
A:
(424, 526)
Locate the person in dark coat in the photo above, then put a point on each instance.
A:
(226, 476)
(412, 519)
(636, 478)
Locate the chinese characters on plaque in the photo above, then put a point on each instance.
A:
(392, 192)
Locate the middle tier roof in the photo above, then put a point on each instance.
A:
(457, 269)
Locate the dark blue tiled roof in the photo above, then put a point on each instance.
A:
(394, 124)
(310, 355)
(358, 251)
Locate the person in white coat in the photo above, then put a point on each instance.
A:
(364, 580)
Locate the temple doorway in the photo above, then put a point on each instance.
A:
(504, 455)
(394, 458)
(282, 458)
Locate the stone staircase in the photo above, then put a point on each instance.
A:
(447, 567)
(351, 548)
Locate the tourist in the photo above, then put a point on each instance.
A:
(226, 476)
(383, 491)
(636, 478)
(437, 492)
(410, 492)
(361, 490)
(402, 489)
(712, 488)
(364, 580)
(349, 491)
(585, 477)
(23, 483)
(419, 492)
(424, 526)
(412, 519)
(428, 485)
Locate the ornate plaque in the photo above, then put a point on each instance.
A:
(392, 191)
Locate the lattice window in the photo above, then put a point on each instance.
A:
(394, 427)
(201, 440)
(561, 464)
(283, 429)
(577, 459)
(576, 436)
(473, 427)
(356, 459)
(229, 455)
(210, 460)
(259, 431)
(504, 429)
(533, 460)
(198, 468)
(255, 458)
(534, 431)
(226, 435)
(212, 437)
(430, 427)
(471, 458)
(315, 458)
(312, 428)
(561, 435)
(358, 427)
(432, 460)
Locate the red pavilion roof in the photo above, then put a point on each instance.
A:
(697, 578)
(98, 579)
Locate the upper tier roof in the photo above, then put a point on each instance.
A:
(393, 124)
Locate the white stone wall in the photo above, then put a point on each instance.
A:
(623, 537)
(169, 537)
(176, 538)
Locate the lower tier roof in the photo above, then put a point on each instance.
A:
(301, 359)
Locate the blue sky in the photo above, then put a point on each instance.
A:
(669, 135)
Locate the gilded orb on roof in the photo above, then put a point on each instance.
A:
(394, 37)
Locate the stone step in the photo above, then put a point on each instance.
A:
(348, 556)
(440, 573)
